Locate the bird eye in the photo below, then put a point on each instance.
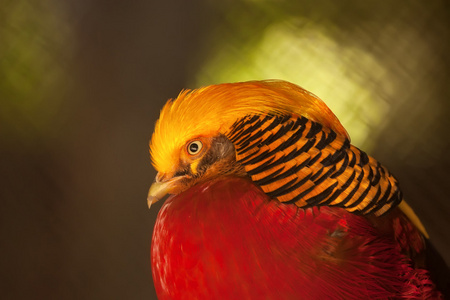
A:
(194, 147)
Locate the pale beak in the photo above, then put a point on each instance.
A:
(161, 188)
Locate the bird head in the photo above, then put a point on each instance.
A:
(190, 142)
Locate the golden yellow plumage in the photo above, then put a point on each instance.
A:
(212, 110)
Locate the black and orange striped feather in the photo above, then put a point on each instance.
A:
(296, 160)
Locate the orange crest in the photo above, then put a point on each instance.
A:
(212, 110)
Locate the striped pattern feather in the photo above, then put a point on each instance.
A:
(296, 160)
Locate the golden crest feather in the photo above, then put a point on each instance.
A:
(211, 110)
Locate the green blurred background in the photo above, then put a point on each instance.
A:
(82, 83)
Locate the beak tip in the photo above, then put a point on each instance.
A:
(151, 200)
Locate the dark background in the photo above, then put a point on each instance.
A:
(82, 83)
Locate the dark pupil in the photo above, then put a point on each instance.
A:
(193, 148)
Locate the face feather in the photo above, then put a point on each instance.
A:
(211, 110)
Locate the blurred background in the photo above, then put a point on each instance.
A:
(82, 83)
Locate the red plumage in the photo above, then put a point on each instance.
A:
(226, 239)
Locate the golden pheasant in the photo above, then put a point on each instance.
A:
(271, 201)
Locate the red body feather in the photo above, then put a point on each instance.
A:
(225, 239)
